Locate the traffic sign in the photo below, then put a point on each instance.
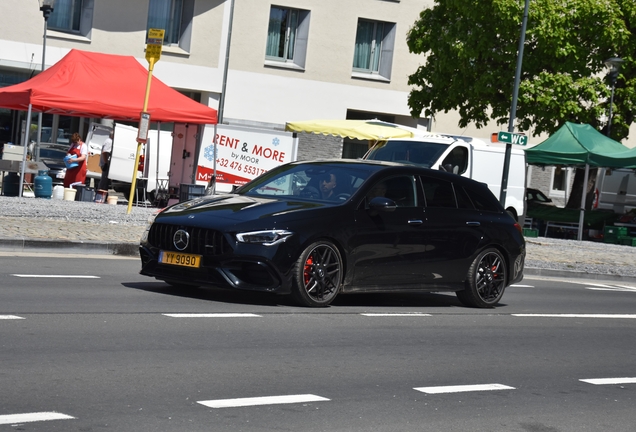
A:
(512, 138)
(154, 43)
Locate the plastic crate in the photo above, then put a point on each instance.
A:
(84, 193)
(529, 232)
(611, 234)
(629, 241)
(190, 191)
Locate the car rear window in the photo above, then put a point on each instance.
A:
(438, 193)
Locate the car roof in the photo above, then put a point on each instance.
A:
(391, 167)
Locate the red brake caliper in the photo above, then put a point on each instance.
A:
(307, 269)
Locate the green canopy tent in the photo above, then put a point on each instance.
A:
(580, 145)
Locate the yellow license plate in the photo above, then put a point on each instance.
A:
(180, 259)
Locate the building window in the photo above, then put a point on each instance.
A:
(175, 17)
(287, 36)
(374, 49)
(72, 16)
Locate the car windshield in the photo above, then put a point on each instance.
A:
(415, 152)
(315, 182)
(47, 153)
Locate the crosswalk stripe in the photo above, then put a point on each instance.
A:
(10, 317)
(33, 417)
(265, 400)
(463, 388)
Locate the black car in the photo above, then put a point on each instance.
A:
(534, 198)
(317, 229)
(52, 155)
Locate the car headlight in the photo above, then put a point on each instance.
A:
(266, 238)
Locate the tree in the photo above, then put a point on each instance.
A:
(470, 49)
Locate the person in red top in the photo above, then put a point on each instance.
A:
(80, 150)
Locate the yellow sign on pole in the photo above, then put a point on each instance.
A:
(154, 43)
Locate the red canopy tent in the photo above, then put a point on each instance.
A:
(90, 84)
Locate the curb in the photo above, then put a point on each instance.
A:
(68, 246)
(569, 274)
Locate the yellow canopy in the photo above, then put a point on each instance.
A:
(356, 129)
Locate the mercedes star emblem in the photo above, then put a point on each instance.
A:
(181, 239)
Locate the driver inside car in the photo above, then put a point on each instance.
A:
(327, 185)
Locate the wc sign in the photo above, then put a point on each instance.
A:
(512, 138)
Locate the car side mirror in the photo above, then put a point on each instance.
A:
(382, 204)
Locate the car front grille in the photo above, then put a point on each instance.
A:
(202, 241)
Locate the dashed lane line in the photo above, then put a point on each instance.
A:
(606, 381)
(33, 417)
(10, 317)
(401, 314)
(265, 400)
(55, 276)
(463, 388)
(212, 315)
(610, 316)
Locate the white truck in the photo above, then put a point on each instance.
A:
(465, 156)
(615, 190)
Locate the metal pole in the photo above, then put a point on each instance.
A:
(609, 121)
(27, 129)
(513, 107)
(579, 235)
(227, 62)
(36, 149)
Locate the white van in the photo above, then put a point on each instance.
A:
(465, 156)
(615, 190)
(154, 163)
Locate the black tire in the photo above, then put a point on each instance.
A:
(486, 280)
(317, 275)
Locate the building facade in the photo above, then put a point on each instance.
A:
(260, 63)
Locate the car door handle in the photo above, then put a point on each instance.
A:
(473, 224)
(415, 222)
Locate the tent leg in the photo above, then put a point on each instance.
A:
(27, 131)
(583, 194)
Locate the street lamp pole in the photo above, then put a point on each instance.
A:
(46, 6)
(614, 64)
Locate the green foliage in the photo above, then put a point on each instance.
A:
(469, 50)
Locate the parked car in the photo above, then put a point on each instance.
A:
(385, 227)
(535, 197)
(52, 155)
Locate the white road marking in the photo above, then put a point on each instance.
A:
(33, 417)
(615, 316)
(211, 315)
(56, 276)
(266, 400)
(606, 287)
(463, 388)
(522, 286)
(603, 381)
(8, 317)
(402, 314)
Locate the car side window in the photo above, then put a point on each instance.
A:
(483, 201)
(463, 200)
(456, 161)
(438, 193)
(400, 189)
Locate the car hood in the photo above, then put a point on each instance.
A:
(235, 209)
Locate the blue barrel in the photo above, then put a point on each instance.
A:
(11, 184)
(43, 185)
